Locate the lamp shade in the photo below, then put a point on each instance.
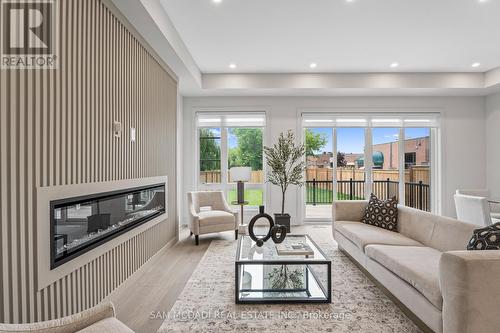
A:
(240, 174)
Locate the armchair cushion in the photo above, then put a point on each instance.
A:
(212, 217)
(68, 324)
(219, 218)
(108, 325)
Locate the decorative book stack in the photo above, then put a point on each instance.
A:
(294, 249)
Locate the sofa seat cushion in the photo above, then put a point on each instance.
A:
(363, 234)
(108, 325)
(417, 265)
(215, 217)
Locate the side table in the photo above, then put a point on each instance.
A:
(242, 228)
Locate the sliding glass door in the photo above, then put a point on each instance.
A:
(418, 166)
(227, 140)
(350, 157)
(350, 173)
(244, 148)
(385, 162)
(319, 172)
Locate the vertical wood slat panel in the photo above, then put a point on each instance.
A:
(56, 129)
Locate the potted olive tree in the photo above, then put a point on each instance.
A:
(286, 166)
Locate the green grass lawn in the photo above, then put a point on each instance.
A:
(253, 196)
(323, 196)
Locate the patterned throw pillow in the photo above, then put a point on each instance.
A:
(487, 238)
(383, 214)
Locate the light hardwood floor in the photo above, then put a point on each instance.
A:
(156, 286)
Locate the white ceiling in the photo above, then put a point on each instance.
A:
(285, 36)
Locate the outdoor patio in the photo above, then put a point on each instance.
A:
(318, 212)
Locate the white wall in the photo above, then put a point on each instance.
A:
(463, 138)
(493, 144)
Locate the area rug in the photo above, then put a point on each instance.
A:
(207, 302)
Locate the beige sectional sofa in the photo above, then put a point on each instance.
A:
(99, 319)
(426, 266)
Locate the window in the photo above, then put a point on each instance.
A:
(210, 155)
(245, 149)
(319, 175)
(385, 162)
(400, 147)
(418, 173)
(227, 140)
(410, 159)
(350, 172)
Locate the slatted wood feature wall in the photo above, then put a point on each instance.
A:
(56, 129)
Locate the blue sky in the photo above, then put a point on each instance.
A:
(232, 141)
(352, 140)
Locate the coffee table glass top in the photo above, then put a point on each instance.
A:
(263, 276)
(249, 251)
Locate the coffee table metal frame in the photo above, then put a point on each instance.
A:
(296, 262)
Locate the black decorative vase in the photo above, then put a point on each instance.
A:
(276, 232)
(283, 219)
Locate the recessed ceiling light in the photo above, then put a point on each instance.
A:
(394, 65)
(313, 65)
(232, 66)
(476, 64)
(350, 0)
(216, 1)
(483, 1)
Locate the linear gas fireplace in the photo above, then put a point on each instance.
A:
(80, 224)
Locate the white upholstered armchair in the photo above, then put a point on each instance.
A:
(219, 217)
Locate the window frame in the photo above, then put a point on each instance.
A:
(329, 119)
(199, 160)
(224, 185)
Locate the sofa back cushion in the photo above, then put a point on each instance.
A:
(451, 235)
(382, 213)
(348, 210)
(439, 232)
(212, 199)
(416, 224)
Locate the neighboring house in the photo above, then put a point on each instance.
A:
(385, 155)
(311, 162)
(323, 160)
(416, 153)
(351, 158)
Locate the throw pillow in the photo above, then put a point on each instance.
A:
(383, 214)
(487, 238)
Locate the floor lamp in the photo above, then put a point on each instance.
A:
(240, 175)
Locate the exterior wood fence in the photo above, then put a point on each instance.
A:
(208, 177)
(413, 175)
(419, 173)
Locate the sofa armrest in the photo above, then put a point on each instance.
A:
(68, 324)
(348, 210)
(470, 289)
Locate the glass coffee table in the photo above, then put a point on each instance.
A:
(263, 276)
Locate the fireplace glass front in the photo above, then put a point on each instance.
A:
(83, 223)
